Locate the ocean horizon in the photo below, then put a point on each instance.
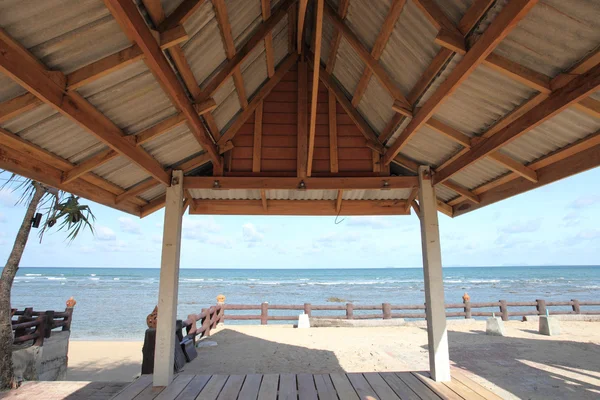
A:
(113, 302)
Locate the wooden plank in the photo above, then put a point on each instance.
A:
(436, 16)
(136, 189)
(287, 387)
(514, 166)
(306, 387)
(462, 191)
(175, 388)
(502, 25)
(589, 106)
(315, 87)
(434, 68)
(150, 392)
(232, 388)
(257, 145)
(89, 164)
(463, 391)
(194, 387)
(338, 201)
(587, 63)
(440, 389)
(343, 6)
(310, 183)
(263, 198)
(343, 387)
(399, 387)
(460, 376)
(383, 390)
(159, 129)
(134, 388)
(302, 128)
(266, 13)
(333, 139)
(424, 392)
(251, 387)
(14, 107)
(301, 22)
(362, 387)
(128, 12)
(574, 91)
(212, 389)
(325, 388)
(183, 11)
(268, 387)
(473, 15)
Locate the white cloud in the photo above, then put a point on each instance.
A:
(589, 234)
(585, 201)
(250, 234)
(522, 226)
(371, 222)
(7, 197)
(128, 225)
(104, 233)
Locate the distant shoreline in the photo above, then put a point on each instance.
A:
(330, 268)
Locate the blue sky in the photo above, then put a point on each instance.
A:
(558, 224)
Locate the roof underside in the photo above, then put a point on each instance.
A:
(498, 97)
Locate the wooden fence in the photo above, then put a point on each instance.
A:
(466, 309)
(209, 319)
(38, 325)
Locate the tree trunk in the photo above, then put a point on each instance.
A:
(8, 275)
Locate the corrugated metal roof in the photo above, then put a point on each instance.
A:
(558, 132)
(429, 147)
(280, 41)
(121, 172)
(596, 96)
(444, 194)
(63, 37)
(454, 9)
(254, 69)
(9, 89)
(176, 145)
(244, 18)
(301, 194)
(479, 173)
(376, 105)
(348, 68)
(482, 99)
(410, 48)
(204, 51)
(225, 194)
(365, 19)
(554, 35)
(156, 191)
(228, 104)
(392, 194)
(130, 97)
(448, 68)
(326, 40)
(170, 5)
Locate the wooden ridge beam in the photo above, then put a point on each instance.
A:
(158, 64)
(88, 165)
(22, 67)
(343, 6)
(502, 25)
(315, 87)
(299, 207)
(240, 56)
(183, 11)
(266, 13)
(310, 183)
(379, 72)
(380, 43)
(284, 67)
(576, 90)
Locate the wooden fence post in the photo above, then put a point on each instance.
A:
(49, 323)
(541, 307)
(504, 310)
(307, 309)
(214, 317)
(206, 322)
(67, 325)
(467, 308)
(264, 313)
(41, 331)
(387, 310)
(576, 307)
(349, 311)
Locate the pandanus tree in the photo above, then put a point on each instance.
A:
(46, 208)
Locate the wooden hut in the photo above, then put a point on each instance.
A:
(297, 107)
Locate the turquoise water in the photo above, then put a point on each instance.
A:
(113, 303)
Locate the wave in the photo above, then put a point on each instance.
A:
(54, 278)
(116, 279)
(33, 274)
(193, 280)
(92, 274)
(483, 281)
(94, 279)
(453, 281)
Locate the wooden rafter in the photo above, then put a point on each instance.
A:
(338, 201)
(302, 5)
(20, 65)
(225, 29)
(411, 197)
(88, 165)
(263, 199)
(158, 64)
(302, 126)
(315, 87)
(185, 10)
(20, 104)
(473, 15)
(380, 73)
(380, 43)
(343, 6)
(573, 92)
(257, 142)
(135, 190)
(310, 183)
(502, 25)
(333, 141)
(266, 13)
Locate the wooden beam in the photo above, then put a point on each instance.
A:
(240, 56)
(135, 190)
(462, 191)
(185, 10)
(257, 145)
(379, 72)
(255, 183)
(436, 16)
(14, 107)
(301, 18)
(589, 106)
(514, 166)
(473, 15)
(343, 6)
(291, 32)
(266, 13)
(263, 199)
(160, 128)
(22, 67)
(580, 68)
(411, 197)
(88, 165)
(333, 141)
(315, 87)
(302, 139)
(339, 200)
(380, 43)
(194, 163)
(573, 92)
(284, 67)
(502, 25)
(298, 207)
(153, 206)
(160, 67)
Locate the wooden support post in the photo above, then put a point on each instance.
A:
(467, 309)
(349, 311)
(439, 360)
(164, 356)
(504, 310)
(387, 310)
(264, 313)
(307, 309)
(541, 307)
(576, 308)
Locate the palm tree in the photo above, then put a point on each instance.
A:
(54, 207)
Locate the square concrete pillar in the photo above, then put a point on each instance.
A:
(494, 326)
(549, 326)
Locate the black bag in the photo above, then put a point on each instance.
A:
(189, 348)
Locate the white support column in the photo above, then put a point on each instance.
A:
(169, 283)
(439, 360)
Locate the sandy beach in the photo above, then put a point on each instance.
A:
(523, 364)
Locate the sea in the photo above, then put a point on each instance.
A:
(112, 303)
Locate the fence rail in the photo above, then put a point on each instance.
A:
(36, 326)
(466, 309)
(209, 319)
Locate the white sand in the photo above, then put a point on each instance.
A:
(523, 364)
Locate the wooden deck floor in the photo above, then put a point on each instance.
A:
(352, 386)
